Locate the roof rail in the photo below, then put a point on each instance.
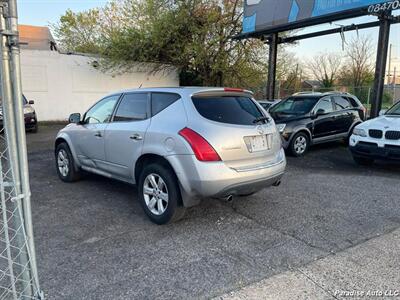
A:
(336, 92)
(306, 93)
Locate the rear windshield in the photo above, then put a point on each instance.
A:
(295, 106)
(228, 109)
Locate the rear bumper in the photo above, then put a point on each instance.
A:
(217, 180)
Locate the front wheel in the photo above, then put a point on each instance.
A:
(159, 194)
(299, 144)
(65, 164)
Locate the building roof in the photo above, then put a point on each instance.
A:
(36, 38)
(312, 83)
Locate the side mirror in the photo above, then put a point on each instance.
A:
(320, 112)
(75, 118)
(31, 102)
(382, 112)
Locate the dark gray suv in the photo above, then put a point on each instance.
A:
(305, 119)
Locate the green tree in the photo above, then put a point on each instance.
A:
(195, 36)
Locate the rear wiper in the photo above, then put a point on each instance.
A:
(262, 119)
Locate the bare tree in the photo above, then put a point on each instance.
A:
(325, 67)
(358, 69)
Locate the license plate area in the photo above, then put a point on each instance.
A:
(258, 143)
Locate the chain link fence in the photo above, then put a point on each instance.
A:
(391, 94)
(16, 280)
(18, 272)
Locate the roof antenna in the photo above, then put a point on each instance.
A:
(141, 85)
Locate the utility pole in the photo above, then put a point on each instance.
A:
(390, 64)
(273, 55)
(381, 60)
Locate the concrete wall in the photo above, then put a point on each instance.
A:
(62, 84)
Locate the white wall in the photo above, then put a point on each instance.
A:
(62, 84)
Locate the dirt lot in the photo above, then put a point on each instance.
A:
(94, 242)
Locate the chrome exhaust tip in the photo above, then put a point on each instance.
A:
(278, 183)
(228, 198)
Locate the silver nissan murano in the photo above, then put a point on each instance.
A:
(178, 145)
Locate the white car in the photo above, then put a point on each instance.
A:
(377, 138)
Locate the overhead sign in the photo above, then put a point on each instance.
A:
(269, 16)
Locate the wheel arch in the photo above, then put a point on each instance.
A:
(301, 129)
(187, 200)
(63, 138)
(353, 126)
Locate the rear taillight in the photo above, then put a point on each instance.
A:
(201, 148)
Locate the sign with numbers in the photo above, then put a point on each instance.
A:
(268, 16)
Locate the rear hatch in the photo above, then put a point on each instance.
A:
(228, 121)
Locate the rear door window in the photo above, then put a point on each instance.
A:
(133, 107)
(342, 103)
(160, 101)
(228, 109)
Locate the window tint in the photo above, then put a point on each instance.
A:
(266, 106)
(160, 101)
(342, 103)
(394, 111)
(133, 107)
(295, 106)
(102, 111)
(228, 109)
(325, 104)
(353, 102)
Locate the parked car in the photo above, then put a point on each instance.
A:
(177, 144)
(307, 119)
(267, 104)
(31, 123)
(378, 138)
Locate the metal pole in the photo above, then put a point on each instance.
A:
(21, 136)
(381, 60)
(273, 55)
(9, 121)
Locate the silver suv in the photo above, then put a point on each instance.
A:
(177, 144)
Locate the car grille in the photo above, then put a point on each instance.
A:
(392, 135)
(377, 134)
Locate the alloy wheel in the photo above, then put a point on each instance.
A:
(300, 145)
(155, 194)
(63, 162)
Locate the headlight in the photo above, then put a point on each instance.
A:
(360, 132)
(28, 110)
(280, 127)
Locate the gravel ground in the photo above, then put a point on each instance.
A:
(94, 242)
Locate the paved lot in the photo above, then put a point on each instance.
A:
(94, 242)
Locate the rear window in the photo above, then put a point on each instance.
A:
(228, 109)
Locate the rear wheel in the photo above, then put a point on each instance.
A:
(65, 164)
(159, 194)
(363, 161)
(299, 144)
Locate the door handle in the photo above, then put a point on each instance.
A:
(136, 137)
(98, 134)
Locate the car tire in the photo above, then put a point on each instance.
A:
(363, 161)
(159, 194)
(65, 164)
(299, 144)
(35, 129)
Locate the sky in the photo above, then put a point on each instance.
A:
(45, 12)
